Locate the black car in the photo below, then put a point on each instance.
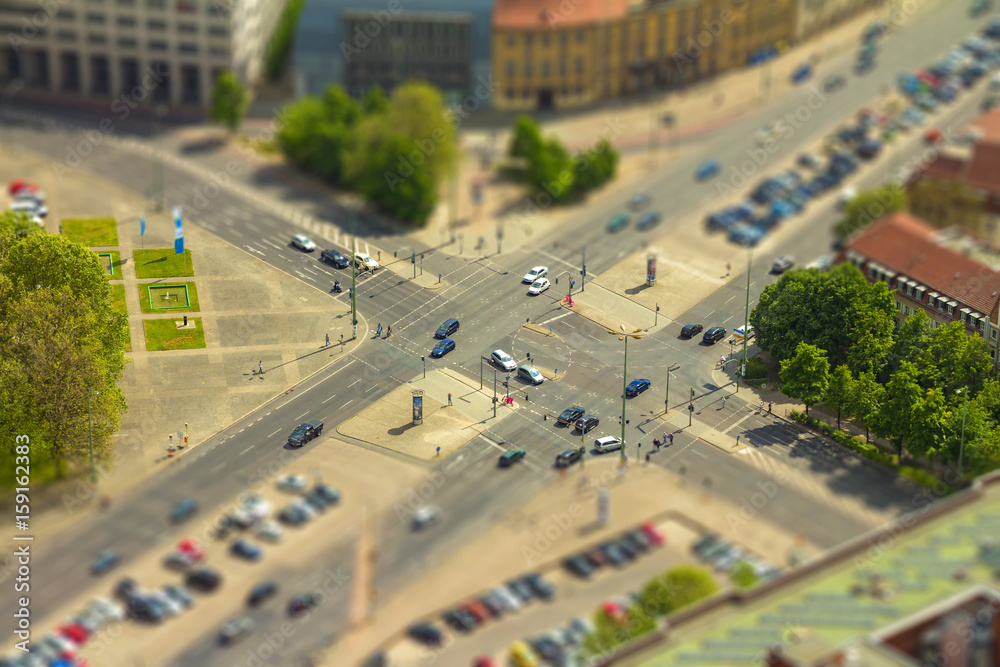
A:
(833, 83)
(145, 609)
(426, 633)
(327, 493)
(460, 620)
(648, 221)
(126, 588)
(614, 554)
(638, 539)
(520, 589)
(690, 330)
(714, 335)
(316, 501)
(568, 457)
(539, 587)
(183, 510)
(303, 433)
(106, 561)
(448, 328)
(579, 566)
(547, 649)
(585, 424)
(570, 415)
(300, 604)
(335, 258)
(262, 592)
(204, 580)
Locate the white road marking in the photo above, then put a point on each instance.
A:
(354, 383)
(557, 317)
(301, 416)
(218, 467)
(273, 245)
(329, 399)
(246, 450)
(346, 404)
(275, 433)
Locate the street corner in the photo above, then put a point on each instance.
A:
(539, 329)
(597, 316)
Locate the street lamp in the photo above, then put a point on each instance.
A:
(90, 432)
(746, 321)
(624, 335)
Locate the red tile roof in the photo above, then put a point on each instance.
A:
(983, 170)
(989, 123)
(907, 245)
(554, 14)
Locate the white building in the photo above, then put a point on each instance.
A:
(163, 51)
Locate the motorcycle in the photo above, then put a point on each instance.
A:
(336, 289)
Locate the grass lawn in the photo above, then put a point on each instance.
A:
(192, 296)
(116, 263)
(164, 335)
(118, 294)
(162, 263)
(91, 232)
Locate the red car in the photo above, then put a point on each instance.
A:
(190, 548)
(932, 136)
(484, 661)
(653, 533)
(478, 611)
(76, 633)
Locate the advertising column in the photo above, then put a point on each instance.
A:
(418, 408)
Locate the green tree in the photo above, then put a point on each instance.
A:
(806, 376)
(677, 588)
(317, 133)
(594, 168)
(280, 47)
(952, 359)
(895, 418)
(868, 207)
(865, 400)
(949, 202)
(743, 575)
(18, 223)
(912, 338)
(417, 111)
(840, 391)
(526, 138)
(230, 101)
(929, 432)
(611, 633)
(375, 101)
(412, 197)
(550, 169)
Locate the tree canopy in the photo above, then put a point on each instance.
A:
(806, 376)
(869, 206)
(230, 101)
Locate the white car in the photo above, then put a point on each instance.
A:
(535, 274)
(304, 507)
(503, 360)
(270, 531)
(539, 286)
(108, 610)
(424, 516)
(845, 196)
(608, 443)
(36, 199)
(303, 243)
(509, 600)
(29, 207)
(765, 134)
(365, 261)
(293, 483)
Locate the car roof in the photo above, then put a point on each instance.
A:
(449, 321)
(444, 342)
(607, 438)
(313, 422)
(500, 353)
(528, 368)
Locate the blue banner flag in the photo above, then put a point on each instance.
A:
(142, 226)
(178, 232)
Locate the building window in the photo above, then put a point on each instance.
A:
(128, 42)
(96, 38)
(156, 25)
(898, 305)
(562, 67)
(906, 310)
(187, 28)
(67, 15)
(579, 64)
(95, 18)
(527, 39)
(157, 45)
(187, 6)
(125, 21)
(511, 69)
(545, 39)
(218, 51)
(951, 309)
(187, 47)
(526, 93)
(579, 90)
(982, 324)
(527, 70)
(545, 69)
(222, 31)
(511, 39)
(581, 36)
(66, 36)
(563, 38)
(510, 93)
(994, 334)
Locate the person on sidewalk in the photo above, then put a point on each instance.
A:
(378, 331)
(761, 407)
(722, 361)
(769, 404)
(328, 340)
(449, 398)
(260, 367)
(647, 458)
(388, 332)
(671, 438)
(723, 402)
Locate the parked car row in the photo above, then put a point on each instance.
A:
(499, 602)
(616, 553)
(27, 198)
(60, 647)
(723, 557)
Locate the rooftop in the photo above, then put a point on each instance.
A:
(905, 244)
(915, 560)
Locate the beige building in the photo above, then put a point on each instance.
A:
(815, 16)
(136, 51)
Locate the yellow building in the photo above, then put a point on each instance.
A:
(568, 53)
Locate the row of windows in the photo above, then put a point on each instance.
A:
(546, 68)
(184, 6)
(528, 93)
(160, 46)
(436, 48)
(153, 24)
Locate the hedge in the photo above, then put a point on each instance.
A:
(756, 369)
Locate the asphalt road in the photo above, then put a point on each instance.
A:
(490, 301)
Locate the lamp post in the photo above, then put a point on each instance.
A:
(90, 433)
(583, 270)
(624, 335)
(354, 276)
(666, 397)
(746, 320)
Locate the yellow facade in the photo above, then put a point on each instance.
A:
(656, 46)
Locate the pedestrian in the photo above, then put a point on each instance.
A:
(729, 268)
(379, 330)
(769, 404)
(388, 332)
(671, 438)
(647, 458)
(439, 451)
(723, 401)
(761, 407)
(722, 361)
(260, 367)
(328, 340)
(657, 444)
(449, 398)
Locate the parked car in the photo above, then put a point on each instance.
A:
(579, 566)
(443, 348)
(329, 493)
(639, 201)
(636, 387)
(303, 243)
(568, 457)
(530, 374)
(305, 432)
(106, 561)
(292, 483)
(510, 457)
(833, 83)
(570, 415)
(302, 603)
(714, 335)
(869, 149)
(261, 593)
(782, 264)
(335, 259)
(648, 220)
(503, 360)
(426, 633)
(460, 620)
(534, 274)
(707, 170)
(539, 587)
(587, 423)
(236, 629)
(204, 580)
(689, 330)
(608, 443)
(183, 510)
(447, 328)
(246, 550)
(619, 222)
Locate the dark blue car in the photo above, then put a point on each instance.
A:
(183, 510)
(105, 561)
(443, 348)
(636, 387)
(335, 258)
(449, 327)
(707, 170)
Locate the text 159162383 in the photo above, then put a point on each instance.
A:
(22, 513)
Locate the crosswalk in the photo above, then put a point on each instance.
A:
(815, 485)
